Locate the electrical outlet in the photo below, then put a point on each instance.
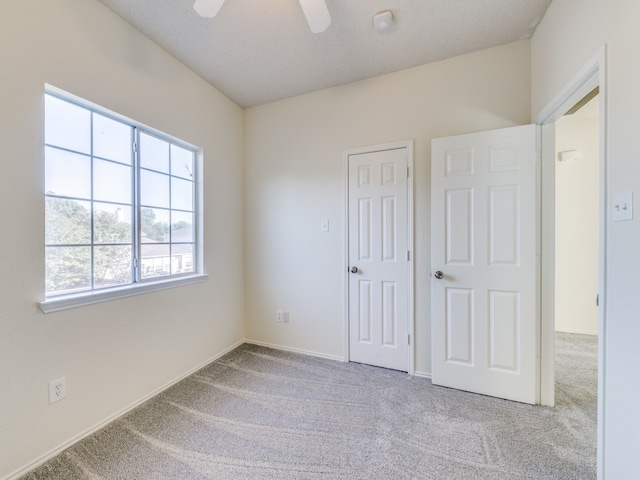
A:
(279, 316)
(285, 317)
(57, 390)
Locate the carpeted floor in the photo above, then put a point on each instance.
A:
(259, 413)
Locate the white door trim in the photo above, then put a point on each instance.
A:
(591, 75)
(408, 144)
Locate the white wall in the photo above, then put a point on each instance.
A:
(294, 178)
(577, 226)
(114, 353)
(570, 34)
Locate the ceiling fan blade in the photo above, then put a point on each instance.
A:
(317, 14)
(208, 8)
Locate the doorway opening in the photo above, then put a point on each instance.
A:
(592, 76)
(576, 219)
(577, 188)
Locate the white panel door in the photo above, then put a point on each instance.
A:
(378, 258)
(484, 313)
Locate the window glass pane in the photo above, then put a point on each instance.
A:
(67, 125)
(67, 269)
(67, 221)
(181, 162)
(182, 227)
(95, 187)
(154, 225)
(182, 259)
(111, 139)
(111, 181)
(67, 174)
(112, 265)
(111, 223)
(155, 261)
(181, 194)
(154, 189)
(154, 153)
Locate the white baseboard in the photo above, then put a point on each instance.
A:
(319, 355)
(52, 453)
(581, 332)
(296, 350)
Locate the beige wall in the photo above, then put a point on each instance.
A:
(116, 353)
(113, 353)
(577, 243)
(570, 34)
(294, 178)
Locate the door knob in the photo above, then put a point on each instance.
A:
(439, 275)
(354, 270)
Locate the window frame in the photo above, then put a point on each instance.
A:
(139, 284)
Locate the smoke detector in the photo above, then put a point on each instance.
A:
(383, 21)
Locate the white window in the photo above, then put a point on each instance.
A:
(121, 202)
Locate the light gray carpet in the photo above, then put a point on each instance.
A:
(259, 413)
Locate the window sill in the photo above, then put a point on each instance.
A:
(65, 302)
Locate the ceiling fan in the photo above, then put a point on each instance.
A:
(315, 11)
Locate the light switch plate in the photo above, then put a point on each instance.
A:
(324, 225)
(622, 207)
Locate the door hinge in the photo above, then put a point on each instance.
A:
(407, 172)
(408, 255)
(408, 339)
(597, 299)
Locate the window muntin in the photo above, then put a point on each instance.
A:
(115, 214)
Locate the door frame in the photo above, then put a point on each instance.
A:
(592, 74)
(408, 144)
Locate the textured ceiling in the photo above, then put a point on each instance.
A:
(259, 51)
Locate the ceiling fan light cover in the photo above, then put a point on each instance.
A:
(317, 15)
(208, 8)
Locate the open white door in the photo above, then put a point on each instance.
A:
(484, 313)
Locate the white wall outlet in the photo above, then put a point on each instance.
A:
(285, 317)
(622, 207)
(279, 316)
(57, 390)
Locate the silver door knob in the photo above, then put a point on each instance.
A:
(354, 270)
(439, 275)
